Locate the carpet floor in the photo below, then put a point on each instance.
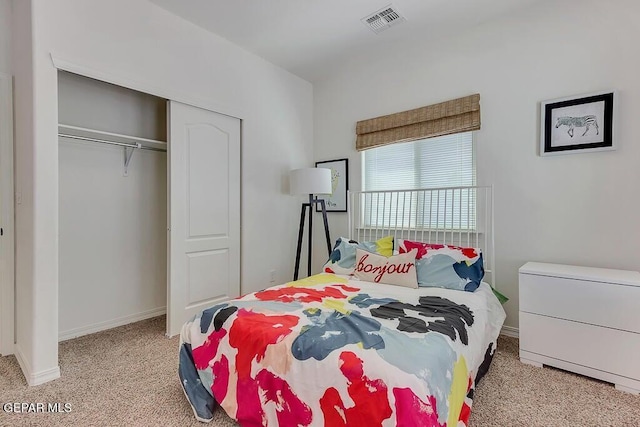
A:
(128, 376)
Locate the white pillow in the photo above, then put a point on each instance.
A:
(397, 270)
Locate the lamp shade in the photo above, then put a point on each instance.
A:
(310, 181)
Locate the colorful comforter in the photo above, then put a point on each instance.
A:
(337, 352)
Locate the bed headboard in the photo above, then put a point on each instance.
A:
(460, 216)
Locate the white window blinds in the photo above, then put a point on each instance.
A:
(445, 161)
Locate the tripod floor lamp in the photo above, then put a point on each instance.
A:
(311, 181)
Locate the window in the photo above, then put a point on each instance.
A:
(446, 161)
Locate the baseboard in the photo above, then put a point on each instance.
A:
(510, 331)
(35, 378)
(102, 326)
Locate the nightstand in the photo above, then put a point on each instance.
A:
(582, 319)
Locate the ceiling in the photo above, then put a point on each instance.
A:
(311, 38)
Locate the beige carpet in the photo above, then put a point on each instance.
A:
(127, 377)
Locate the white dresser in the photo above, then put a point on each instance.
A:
(581, 319)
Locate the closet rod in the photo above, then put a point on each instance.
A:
(103, 141)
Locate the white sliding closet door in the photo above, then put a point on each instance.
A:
(204, 211)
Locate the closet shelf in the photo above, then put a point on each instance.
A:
(85, 134)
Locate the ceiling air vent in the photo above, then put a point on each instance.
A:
(383, 19)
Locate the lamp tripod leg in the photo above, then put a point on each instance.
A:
(326, 225)
(300, 232)
(310, 241)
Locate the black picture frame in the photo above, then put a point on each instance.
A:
(337, 201)
(578, 124)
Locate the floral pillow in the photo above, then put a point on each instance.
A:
(343, 257)
(445, 266)
(397, 270)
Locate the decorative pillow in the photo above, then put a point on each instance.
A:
(394, 270)
(444, 266)
(343, 257)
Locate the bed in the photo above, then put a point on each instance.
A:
(361, 343)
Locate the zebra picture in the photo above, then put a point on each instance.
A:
(578, 122)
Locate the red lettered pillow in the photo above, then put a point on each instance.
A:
(397, 270)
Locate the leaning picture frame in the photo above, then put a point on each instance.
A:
(337, 200)
(578, 124)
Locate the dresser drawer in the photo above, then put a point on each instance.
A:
(604, 304)
(607, 350)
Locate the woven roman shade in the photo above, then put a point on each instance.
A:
(445, 118)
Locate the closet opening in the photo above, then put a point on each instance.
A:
(148, 209)
(112, 205)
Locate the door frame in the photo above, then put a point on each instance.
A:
(143, 86)
(7, 240)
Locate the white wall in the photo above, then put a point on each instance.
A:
(36, 273)
(5, 36)
(113, 239)
(101, 106)
(137, 41)
(6, 185)
(112, 228)
(579, 209)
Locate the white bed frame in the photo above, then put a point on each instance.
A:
(460, 216)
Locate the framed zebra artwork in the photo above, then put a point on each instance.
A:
(577, 124)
